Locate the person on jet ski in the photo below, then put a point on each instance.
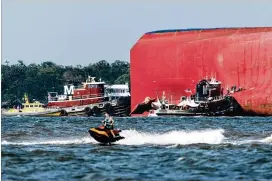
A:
(109, 123)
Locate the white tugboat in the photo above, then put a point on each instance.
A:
(120, 98)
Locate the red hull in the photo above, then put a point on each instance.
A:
(173, 61)
(78, 102)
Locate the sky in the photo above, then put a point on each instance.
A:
(80, 32)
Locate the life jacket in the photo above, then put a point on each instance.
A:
(109, 123)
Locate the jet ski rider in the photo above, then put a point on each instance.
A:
(109, 123)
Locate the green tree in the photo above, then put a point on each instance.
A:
(102, 69)
(118, 69)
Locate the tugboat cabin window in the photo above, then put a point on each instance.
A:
(101, 87)
(92, 86)
(36, 106)
(31, 105)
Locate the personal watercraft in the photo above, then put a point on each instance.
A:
(103, 135)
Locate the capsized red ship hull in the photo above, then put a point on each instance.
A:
(174, 60)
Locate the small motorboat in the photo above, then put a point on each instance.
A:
(103, 135)
(28, 108)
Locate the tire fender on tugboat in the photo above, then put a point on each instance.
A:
(96, 111)
(88, 111)
(108, 108)
(63, 113)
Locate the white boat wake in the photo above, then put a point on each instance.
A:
(134, 137)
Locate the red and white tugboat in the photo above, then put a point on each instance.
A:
(89, 99)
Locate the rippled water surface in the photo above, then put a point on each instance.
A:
(195, 148)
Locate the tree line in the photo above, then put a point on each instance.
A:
(38, 79)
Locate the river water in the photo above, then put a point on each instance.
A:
(180, 148)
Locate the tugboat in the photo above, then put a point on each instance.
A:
(207, 101)
(89, 99)
(31, 109)
(120, 99)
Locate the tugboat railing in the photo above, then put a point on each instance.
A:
(61, 98)
(205, 99)
(88, 96)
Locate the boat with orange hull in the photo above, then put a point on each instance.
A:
(174, 60)
(103, 135)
